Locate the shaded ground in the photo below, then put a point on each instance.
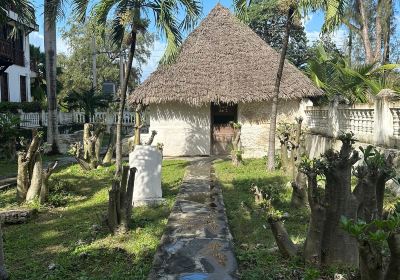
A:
(252, 237)
(69, 239)
(254, 244)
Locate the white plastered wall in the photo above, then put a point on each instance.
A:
(255, 120)
(14, 73)
(184, 130)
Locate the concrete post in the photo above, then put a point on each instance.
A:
(43, 118)
(333, 118)
(304, 103)
(383, 119)
(109, 120)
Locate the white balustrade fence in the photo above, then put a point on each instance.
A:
(317, 119)
(377, 123)
(30, 120)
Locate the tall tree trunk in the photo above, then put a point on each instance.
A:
(378, 31)
(118, 152)
(369, 56)
(350, 46)
(3, 272)
(138, 125)
(51, 78)
(274, 107)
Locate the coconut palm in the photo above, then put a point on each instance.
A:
(333, 9)
(23, 8)
(134, 16)
(52, 11)
(87, 100)
(357, 83)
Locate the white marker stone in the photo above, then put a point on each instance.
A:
(147, 190)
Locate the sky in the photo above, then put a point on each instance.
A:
(312, 27)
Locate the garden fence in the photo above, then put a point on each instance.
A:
(377, 123)
(32, 120)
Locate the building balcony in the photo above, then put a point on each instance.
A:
(10, 55)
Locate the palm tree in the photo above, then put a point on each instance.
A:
(52, 11)
(334, 9)
(336, 76)
(87, 100)
(132, 17)
(23, 8)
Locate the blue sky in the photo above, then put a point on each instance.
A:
(312, 26)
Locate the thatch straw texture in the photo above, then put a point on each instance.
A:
(222, 60)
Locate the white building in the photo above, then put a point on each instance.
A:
(15, 70)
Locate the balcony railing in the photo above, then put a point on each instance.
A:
(19, 58)
(10, 54)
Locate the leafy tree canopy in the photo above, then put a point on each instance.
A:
(77, 64)
(268, 20)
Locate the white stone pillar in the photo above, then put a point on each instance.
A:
(383, 119)
(304, 103)
(333, 118)
(147, 190)
(109, 120)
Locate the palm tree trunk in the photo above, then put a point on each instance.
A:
(51, 78)
(118, 151)
(274, 107)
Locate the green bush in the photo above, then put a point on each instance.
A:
(13, 107)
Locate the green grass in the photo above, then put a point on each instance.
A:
(250, 230)
(65, 235)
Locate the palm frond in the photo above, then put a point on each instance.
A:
(24, 11)
(241, 9)
(192, 10)
(166, 22)
(53, 10)
(79, 8)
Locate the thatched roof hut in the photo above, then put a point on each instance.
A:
(223, 73)
(223, 60)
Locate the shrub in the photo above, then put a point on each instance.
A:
(13, 107)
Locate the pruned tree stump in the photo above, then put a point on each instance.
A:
(17, 216)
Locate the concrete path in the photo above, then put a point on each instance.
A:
(197, 243)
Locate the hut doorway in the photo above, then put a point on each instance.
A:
(222, 132)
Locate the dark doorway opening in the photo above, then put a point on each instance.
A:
(222, 132)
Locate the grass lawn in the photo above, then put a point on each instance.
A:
(253, 239)
(70, 238)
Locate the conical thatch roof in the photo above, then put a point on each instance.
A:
(223, 60)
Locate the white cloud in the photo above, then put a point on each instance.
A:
(157, 52)
(305, 20)
(37, 39)
(63, 46)
(339, 37)
(312, 36)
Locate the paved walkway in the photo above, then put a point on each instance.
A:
(197, 243)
